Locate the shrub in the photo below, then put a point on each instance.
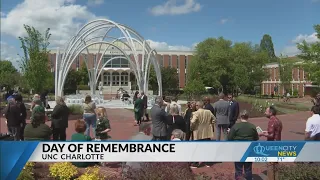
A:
(26, 173)
(75, 109)
(83, 87)
(161, 171)
(301, 171)
(63, 170)
(92, 173)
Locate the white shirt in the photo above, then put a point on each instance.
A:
(313, 125)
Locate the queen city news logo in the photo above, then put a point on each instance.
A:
(275, 151)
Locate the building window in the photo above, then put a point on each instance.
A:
(107, 79)
(170, 61)
(186, 62)
(94, 60)
(121, 62)
(178, 62)
(115, 78)
(124, 79)
(185, 79)
(78, 62)
(161, 61)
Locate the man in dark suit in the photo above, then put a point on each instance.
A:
(207, 105)
(159, 125)
(234, 110)
(221, 110)
(145, 106)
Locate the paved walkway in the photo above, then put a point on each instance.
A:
(123, 128)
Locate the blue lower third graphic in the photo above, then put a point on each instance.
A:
(14, 155)
(274, 149)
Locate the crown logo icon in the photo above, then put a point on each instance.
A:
(259, 150)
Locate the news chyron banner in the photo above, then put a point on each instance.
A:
(14, 155)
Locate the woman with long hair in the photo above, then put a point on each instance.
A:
(59, 120)
(89, 115)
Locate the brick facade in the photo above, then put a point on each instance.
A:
(177, 60)
(298, 82)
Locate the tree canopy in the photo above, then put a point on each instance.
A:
(35, 62)
(310, 53)
(220, 64)
(170, 79)
(285, 71)
(266, 45)
(9, 75)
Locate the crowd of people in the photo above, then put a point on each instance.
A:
(201, 121)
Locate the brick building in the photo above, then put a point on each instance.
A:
(299, 81)
(117, 72)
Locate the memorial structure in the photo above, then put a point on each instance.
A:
(130, 48)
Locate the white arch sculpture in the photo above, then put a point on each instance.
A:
(94, 33)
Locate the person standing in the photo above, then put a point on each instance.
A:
(145, 106)
(175, 101)
(313, 124)
(37, 107)
(159, 119)
(207, 105)
(174, 120)
(272, 134)
(243, 131)
(138, 109)
(12, 113)
(89, 115)
(202, 123)
(191, 107)
(43, 98)
(59, 120)
(103, 125)
(234, 110)
(23, 114)
(221, 110)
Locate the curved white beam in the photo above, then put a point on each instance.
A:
(78, 43)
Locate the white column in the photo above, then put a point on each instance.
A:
(56, 80)
(120, 79)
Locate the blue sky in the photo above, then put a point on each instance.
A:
(169, 24)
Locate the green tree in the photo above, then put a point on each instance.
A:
(83, 73)
(194, 89)
(266, 44)
(9, 75)
(35, 63)
(170, 79)
(219, 64)
(212, 63)
(73, 79)
(285, 72)
(310, 53)
(246, 68)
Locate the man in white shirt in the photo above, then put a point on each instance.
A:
(313, 124)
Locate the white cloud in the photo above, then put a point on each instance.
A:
(223, 21)
(171, 7)
(312, 38)
(9, 53)
(95, 2)
(292, 49)
(2, 14)
(165, 46)
(62, 17)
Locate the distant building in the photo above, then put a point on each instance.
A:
(117, 72)
(299, 80)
